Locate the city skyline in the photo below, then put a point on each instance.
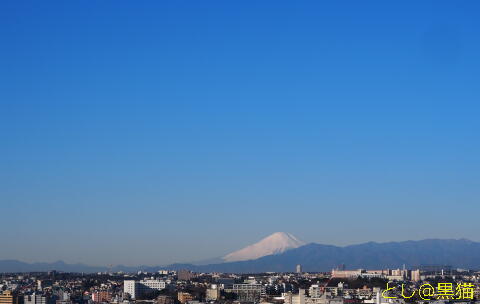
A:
(162, 132)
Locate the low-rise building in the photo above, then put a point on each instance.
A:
(249, 292)
(184, 297)
(137, 288)
(7, 297)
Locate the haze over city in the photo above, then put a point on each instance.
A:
(150, 133)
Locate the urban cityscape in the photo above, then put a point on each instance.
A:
(296, 287)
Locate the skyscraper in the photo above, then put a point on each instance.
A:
(299, 268)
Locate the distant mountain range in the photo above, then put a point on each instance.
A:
(18, 266)
(281, 252)
(317, 257)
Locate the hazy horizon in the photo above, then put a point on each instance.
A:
(159, 132)
(219, 256)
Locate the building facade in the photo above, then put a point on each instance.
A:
(7, 297)
(138, 288)
(35, 299)
(184, 297)
(212, 293)
(101, 296)
(249, 292)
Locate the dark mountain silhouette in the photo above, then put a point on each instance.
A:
(18, 266)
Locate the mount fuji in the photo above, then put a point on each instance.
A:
(276, 243)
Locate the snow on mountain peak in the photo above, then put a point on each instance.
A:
(273, 244)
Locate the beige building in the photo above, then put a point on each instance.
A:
(346, 273)
(185, 275)
(7, 298)
(415, 275)
(213, 293)
(184, 297)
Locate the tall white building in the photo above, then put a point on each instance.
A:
(298, 269)
(130, 288)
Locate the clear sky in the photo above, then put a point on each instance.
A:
(150, 132)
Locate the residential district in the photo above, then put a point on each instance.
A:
(428, 284)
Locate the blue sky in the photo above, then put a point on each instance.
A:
(161, 131)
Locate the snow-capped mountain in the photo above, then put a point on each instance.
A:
(276, 243)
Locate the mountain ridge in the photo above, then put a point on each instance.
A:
(313, 257)
(320, 258)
